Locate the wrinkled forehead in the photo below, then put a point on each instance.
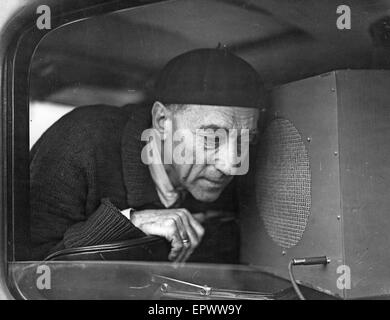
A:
(207, 116)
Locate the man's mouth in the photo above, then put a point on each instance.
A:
(215, 182)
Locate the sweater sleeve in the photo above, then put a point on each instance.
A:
(59, 213)
(105, 225)
(66, 209)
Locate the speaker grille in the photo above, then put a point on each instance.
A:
(283, 183)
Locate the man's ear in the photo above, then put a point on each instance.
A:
(161, 117)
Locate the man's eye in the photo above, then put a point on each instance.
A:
(211, 142)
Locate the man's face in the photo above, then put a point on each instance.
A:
(205, 180)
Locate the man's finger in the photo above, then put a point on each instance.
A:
(177, 247)
(196, 225)
(185, 236)
(198, 230)
(178, 237)
(193, 219)
(192, 234)
(180, 226)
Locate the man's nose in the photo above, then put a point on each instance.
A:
(226, 159)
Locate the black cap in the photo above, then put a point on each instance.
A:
(209, 77)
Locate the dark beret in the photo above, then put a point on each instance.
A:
(209, 77)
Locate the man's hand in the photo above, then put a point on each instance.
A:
(178, 226)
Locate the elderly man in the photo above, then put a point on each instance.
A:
(96, 178)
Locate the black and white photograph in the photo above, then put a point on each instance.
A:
(212, 151)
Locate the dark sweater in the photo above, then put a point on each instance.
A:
(85, 169)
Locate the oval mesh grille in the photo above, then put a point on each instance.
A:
(283, 183)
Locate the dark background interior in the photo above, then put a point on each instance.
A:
(114, 58)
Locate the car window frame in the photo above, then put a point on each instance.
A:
(19, 38)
